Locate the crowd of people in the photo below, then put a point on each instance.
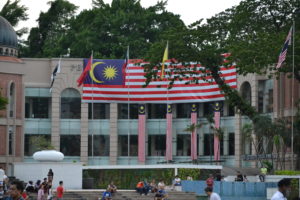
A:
(42, 190)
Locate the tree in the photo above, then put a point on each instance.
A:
(105, 29)
(46, 40)
(14, 13)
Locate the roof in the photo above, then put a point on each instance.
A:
(8, 36)
(10, 59)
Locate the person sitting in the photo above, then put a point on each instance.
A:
(153, 186)
(239, 177)
(177, 183)
(161, 194)
(106, 195)
(29, 187)
(140, 187)
(112, 188)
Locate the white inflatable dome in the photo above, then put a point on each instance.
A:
(48, 155)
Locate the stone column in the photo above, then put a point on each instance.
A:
(55, 122)
(238, 141)
(113, 147)
(84, 133)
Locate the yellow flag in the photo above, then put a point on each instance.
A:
(165, 58)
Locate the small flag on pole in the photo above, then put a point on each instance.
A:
(54, 73)
(165, 58)
(83, 75)
(284, 49)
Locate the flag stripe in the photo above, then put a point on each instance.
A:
(134, 89)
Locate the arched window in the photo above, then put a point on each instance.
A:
(70, 104)
(11, 100)
(246, 91)
(6, 51)
(1, 51)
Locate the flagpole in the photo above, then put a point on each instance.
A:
(93, 128)
(128, 108)
(293, 84)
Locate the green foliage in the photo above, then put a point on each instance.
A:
(287, 172)
(41, 143)
(105, 29)
(183, 173)
(47, 40)
(127, 178)
(3, 102)
(14, 12)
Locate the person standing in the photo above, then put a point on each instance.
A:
(60, 191)
(212, 195)
(284, 186)
(50, 175)
(210, 181)
(15, 191)
(263, 173)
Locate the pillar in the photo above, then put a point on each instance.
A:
(55, 119)
(113, 143)
(84, 133)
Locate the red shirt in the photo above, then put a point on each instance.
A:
(59, 191)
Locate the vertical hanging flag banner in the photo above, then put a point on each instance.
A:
(165, 58)
(169, 136)
(194, 132)
(217, 118)
(142, 134)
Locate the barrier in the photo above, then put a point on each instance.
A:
(231, 190)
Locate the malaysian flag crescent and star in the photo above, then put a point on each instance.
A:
(107, 81)
(104, 72)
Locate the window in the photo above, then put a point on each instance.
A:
(156, 145)
(123, 145)
(246, 91)
(231, 144)
(157, 111)
(123, 111)
(270, 101)
(231, 111)
(101, 145)
(183, 145)
(70, 145)
(11, 100)
(30, 146)
(10, 140)
(1, 51)
(101, 111)
(70, 104)
(183, 110)
(37, 107)
(208, 108)
(208, 144)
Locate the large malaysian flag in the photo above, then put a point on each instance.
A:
(105, 84)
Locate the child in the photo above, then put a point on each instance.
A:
(41, 194)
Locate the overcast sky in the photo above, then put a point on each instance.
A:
(189, 10)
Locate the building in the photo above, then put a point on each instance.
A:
(60, 116)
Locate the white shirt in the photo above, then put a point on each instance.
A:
(278, 196)
(214, 196)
